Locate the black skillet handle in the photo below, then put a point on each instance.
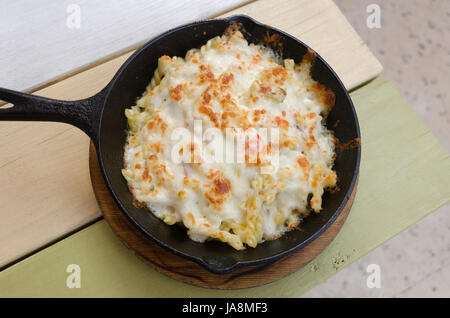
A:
(84, 114)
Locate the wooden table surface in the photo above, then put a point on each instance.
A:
(63, 177)
(105, 30)
(46, 202)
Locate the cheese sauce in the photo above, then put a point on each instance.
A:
(231, 85)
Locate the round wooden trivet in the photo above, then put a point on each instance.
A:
(190, 272)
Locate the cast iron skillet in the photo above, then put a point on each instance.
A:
(102, 118)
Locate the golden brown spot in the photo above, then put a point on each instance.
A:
(329, 98)
(326, 95)
(278, 70)
(256, 59)
(226, 78)
(264, 89)
(219, 190)
(311, 141)
(222, 186)
(304, 163)
(233, 28)
(257, 113)
(156, 147)
(293, 226)
(283, 123)
(228, 103)
(175, 92)
(206, 74)
(267, 74)
(213, 173)
(210, 113)
(161, 170)
(146, 175)
(309, 56)
(206, 98)
(227, 114)
(273, 41)
(214, 200)
(191, 217)
(150, 125)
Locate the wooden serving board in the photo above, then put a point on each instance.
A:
(190, 272)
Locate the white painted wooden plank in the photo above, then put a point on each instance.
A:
(40, 40)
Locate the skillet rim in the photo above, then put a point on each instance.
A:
(236, 263)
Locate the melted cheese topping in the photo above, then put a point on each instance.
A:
(228, 83)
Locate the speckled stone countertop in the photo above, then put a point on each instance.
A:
(414, 47)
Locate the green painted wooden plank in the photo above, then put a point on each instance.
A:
(405, 175)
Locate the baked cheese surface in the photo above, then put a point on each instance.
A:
(179, 161)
